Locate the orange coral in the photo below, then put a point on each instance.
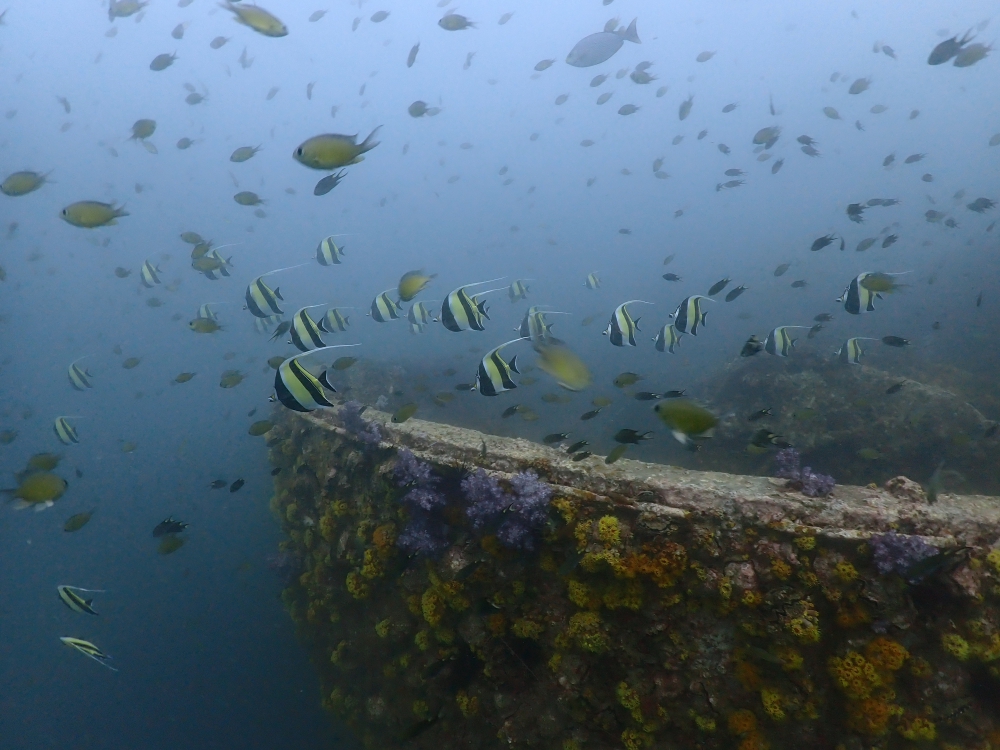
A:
(384, 537)
(742, 721)
(851, 614)
(753, 741)
(886, 654)
(662, 561)
(871, 716)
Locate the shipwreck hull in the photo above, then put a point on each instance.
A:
(654, 607)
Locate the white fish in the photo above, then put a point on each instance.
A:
(597, 48)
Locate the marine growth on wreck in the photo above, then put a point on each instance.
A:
(461, 593)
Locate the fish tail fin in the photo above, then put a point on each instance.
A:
(368, 144)
(630, 34)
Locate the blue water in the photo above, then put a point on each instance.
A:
(207, 655)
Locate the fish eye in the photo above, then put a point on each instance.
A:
(298, 151)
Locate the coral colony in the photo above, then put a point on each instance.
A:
(513, 517)
(807, 482)
(428, 621)
(426, 533)
(896, 553)
(367, 432)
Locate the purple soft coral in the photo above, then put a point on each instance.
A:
(409, 471)
(516, 517)
(487, 501)
(815, 485)
(786, 463)
(896, 553)
(424, 536)
(808, 482)
(365, 431)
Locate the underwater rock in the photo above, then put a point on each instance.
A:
(906, 489)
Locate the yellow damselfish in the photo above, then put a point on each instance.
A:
(91, 214)
(332, 151)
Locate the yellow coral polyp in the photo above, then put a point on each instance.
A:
(806, 542)
(742, 721)
(772, 702)
(918, 729)
(422, 640)
(628, 596)
(327, 528)
(356, 585)
(629, 699)
(791, 660)
(421, 710)
(587, 630)
(565, 508)
(956, 645)
(579, 593)
(468, 705)
(432, 606)
(993, 559)
(525, 628)
(338, 653)
(725, 588)
(372, 566)
(633, 739)
(751, 598)
(920, 667)
(854, 675)
(808, 578)
(382, 627)
(845, 571)
(609, 532)
(341, 508)
(413, 604)
(989, 651)
(291, 511)
(704, 723)
(805, 630)
(781, 570)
